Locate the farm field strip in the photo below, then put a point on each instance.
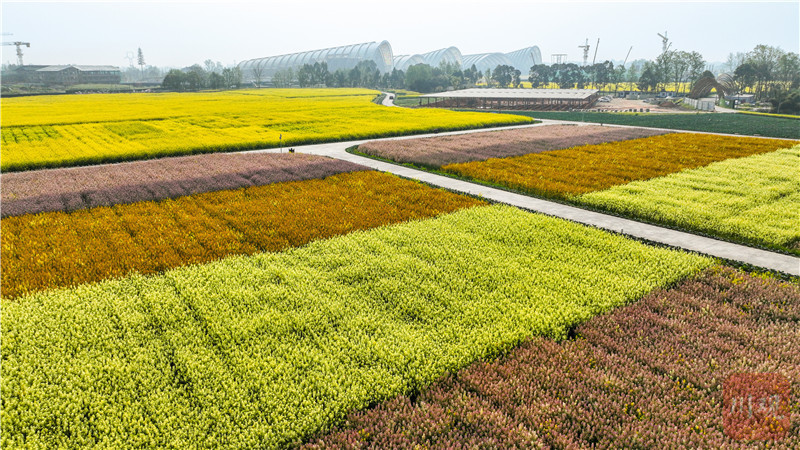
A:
(72, 109)
(270, 349)
(435, 152)
(87, 187)
(649, 232)
(578, 170)
(742, 124)
(92, 130)
(58, 249)
(754, 199)
(643, 376)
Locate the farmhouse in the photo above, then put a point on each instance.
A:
(71, 74)
(65, 74)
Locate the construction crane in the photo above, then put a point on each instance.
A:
(585, 48)
(626, 56)
(664, 40)
(594, 58)
(19, 49)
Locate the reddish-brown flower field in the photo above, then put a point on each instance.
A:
(89, 187)
(439, 151)
(649, 375)
(55, 249)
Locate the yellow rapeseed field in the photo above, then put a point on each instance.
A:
(53, 131)
(55, 249)
(588, 168)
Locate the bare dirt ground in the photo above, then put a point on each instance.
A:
(622, 104)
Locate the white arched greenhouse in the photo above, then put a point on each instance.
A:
(403, 62)
(449, 55)
(345, 58)
(484, 61)
(524, 58)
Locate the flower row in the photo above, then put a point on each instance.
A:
(88, 130)
(58, 249)
(650, 375)
(270, 349)
(589, 168)
(753, 199)
(88, 187)
(440, 151)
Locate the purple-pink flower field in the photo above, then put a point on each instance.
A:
(70, 189)
(649, 375)
(436, 152)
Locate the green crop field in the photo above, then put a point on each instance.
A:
(746, 124)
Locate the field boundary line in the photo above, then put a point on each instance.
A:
(679, 239)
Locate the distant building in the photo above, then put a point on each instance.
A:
(348, 56)
(486, 61)
(337, 58)
(521, 60)
(65, 75)
(741, 98)
(21, 74)
(403, 62)
(450, 55)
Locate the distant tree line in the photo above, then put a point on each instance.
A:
(680, 68)
(209, 76)
(770, 73)
(419, 77)
(570, 75)
(148, 74)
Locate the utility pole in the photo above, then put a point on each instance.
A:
(140, 58)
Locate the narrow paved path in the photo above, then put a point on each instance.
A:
(388, 99)
(712, 247)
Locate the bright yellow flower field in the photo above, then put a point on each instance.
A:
(54, 131)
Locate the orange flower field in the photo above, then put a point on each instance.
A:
(55, 249)
(588, 168)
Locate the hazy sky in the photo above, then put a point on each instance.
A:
(178, 34)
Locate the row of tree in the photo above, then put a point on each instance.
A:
(769, 72)
(196, 77)
(419, 77)
(570, 75)
(680, 68)
(766, 71)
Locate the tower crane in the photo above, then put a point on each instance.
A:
(664, 40)
(19, 49)
(585, 48)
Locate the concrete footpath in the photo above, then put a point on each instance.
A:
(709, 246)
